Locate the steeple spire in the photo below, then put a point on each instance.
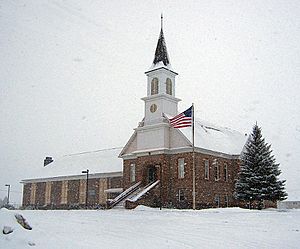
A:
(161, 54)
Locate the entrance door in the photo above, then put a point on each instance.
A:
(152, 174)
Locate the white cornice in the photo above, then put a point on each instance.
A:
(74, 177)
(152, 126)
(161, 96)
(159, 151)
(151, 71)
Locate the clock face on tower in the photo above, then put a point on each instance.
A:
(153, 108)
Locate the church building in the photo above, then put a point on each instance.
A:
(159, 166)
(160, 157)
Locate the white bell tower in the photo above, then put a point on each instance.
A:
(153, 134)
(160, 85)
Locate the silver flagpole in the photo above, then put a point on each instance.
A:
(193, 155)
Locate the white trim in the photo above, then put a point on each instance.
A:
(161, 96)
(127, 144)
(168, 151)
(151, 71)
(181, 167)
(113, 190)
(206, 169)
(74, 177)
(152, 126)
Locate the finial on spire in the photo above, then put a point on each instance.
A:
(161, 54)
(161, 21)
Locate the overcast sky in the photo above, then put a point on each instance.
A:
(72, 74)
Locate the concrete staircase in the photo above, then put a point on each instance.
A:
(134, 195)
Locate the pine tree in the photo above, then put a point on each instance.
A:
(258, 176)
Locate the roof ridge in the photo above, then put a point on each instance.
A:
(87, 152)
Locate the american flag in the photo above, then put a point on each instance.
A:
(183, 119)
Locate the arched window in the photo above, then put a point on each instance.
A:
(169, 86)
(154, 86)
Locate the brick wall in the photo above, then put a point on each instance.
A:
(207, 190)
(56, 193)
(96, 196)
(73, 192)
(40, 193)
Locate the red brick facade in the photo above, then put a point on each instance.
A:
(95, 198)
(177, 192)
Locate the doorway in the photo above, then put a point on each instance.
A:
(152, 174)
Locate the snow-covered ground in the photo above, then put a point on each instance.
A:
(154, 228)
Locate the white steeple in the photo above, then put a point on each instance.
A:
(160, 85)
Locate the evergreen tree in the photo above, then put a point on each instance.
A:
(258, 176)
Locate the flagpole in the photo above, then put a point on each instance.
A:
(193, 156)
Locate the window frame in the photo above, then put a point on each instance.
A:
(132, 173)
(225, 172)
(181, 168)
(181, 196)
(216, 170)
(154, 86)
(169, 89)
(206, 169)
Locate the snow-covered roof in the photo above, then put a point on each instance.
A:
(160, 65)
(216, 138)
(100, 161)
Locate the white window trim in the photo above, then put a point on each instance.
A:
(154, 86)
(169, 86)
(132, 172)
(216, 170)
(181, 168)
(179, 195)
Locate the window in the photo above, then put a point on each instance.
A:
(181, 168)
(132, 172)
(226, 200)
(169, 86)
(225, 173)
(154, 86)
(217, 200)
(206, 169)
(216, 169)
(180, 195)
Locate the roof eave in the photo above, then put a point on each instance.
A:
(152, 70)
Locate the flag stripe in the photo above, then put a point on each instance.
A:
(176, 117)
(186, 121)
(181, 126)
(182, 120)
